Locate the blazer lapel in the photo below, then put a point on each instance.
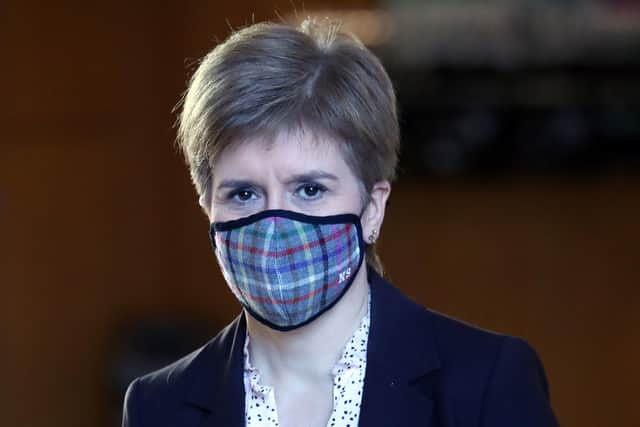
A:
(218, 389)
(402, 377)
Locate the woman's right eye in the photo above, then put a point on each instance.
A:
(242, 195)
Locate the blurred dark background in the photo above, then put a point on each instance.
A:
(517, 206)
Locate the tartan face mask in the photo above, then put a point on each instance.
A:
(287, 268)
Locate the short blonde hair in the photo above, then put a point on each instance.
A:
(268, 77)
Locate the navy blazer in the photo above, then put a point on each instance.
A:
(423, 369)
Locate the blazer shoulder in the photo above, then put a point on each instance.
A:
(459, 340)
(172, 375)
(501, 377)
(157, 395)
(159, 391)
(472, 350)
(456, 337)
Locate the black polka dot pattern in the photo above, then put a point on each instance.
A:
(348, 382)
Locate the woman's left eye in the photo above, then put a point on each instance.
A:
(310, 191)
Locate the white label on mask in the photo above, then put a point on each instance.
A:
(345, 275)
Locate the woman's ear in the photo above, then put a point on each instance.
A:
(373, 215)
(204, 204)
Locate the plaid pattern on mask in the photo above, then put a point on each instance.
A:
(286, 271)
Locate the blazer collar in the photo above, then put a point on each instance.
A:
(399, 381)
(402, 362)
(216, 382)
(401, 339)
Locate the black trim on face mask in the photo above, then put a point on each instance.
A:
(282, 213)
(347, 218)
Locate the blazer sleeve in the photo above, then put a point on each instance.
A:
(131, 409)
(517, 393)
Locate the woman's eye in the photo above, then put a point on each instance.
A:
(242, 195)
(310, 191)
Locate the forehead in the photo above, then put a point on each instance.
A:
(286, 151)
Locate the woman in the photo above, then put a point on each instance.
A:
(291, 136)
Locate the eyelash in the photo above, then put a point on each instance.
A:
(321, 189)
(233, 194)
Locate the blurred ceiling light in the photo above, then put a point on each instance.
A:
(372, 27)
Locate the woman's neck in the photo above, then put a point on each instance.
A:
(309, 352)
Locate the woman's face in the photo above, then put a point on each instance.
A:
(296, 171)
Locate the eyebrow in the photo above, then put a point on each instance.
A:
(302, 177)
(235, 183)
(312, 176)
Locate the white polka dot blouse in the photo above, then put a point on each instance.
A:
(348, 381)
